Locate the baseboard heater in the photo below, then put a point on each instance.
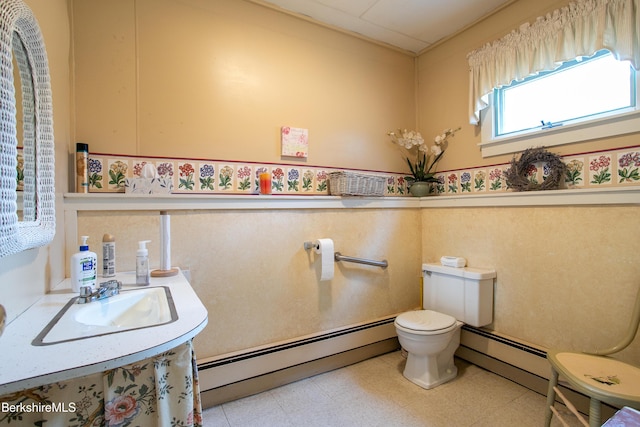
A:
(233, 368)
(503, 348)
(477, 345)
(234, 375)
(520, 362)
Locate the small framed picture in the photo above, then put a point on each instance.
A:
(295, 142)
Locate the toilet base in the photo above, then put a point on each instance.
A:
(431, 370)
(425, 378)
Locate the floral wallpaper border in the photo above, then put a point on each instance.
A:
(107, 173)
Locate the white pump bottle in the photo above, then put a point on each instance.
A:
(83, 267)
(143, 275)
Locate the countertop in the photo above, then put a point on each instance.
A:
(23, 365)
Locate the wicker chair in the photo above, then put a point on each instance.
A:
(602, 378)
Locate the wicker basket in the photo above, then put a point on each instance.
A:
(355, 184)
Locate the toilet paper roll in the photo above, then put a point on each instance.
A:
(324, 247)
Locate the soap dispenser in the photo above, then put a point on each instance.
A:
(143, 275)
(83, 267)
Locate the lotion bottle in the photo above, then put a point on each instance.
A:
(83, 267)
(143, 275)
(108, 256)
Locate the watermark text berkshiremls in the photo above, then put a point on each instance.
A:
(37, 407)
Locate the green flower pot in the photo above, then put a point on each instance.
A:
(421, 189)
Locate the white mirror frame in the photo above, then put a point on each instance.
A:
(17, 23)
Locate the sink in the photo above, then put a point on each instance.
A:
(130, 309)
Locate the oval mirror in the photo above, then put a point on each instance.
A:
(21, 42)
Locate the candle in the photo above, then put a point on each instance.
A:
(265, 183)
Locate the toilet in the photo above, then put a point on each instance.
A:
(451, 297)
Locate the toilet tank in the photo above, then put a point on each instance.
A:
(464, 293)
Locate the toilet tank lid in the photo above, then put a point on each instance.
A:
(467, 272)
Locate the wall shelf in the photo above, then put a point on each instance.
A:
(127, 202)
(74, 202)
(575, 197)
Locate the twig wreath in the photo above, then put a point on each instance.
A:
(518, 175)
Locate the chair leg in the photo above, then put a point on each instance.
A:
(594, 412)
(551, 397)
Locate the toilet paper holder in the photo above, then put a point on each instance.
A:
(310, 245)
(337, 256)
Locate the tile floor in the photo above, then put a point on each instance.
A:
(374, 393)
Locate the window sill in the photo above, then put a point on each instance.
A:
(619, 124)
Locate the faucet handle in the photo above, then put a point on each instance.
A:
(111, 284)
(85, 291)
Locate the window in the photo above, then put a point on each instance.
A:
(575, 92)
(589, 98)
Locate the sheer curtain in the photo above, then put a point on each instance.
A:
(579, 29)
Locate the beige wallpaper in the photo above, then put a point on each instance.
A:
(566, 276)
(258, 282)
(218, 79)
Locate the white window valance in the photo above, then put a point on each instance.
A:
(580, 29)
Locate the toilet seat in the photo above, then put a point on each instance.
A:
(425, 322)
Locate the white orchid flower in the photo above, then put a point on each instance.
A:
(423, 167)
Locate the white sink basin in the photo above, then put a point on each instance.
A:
(130, 309)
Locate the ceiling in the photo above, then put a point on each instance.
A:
(412, 25)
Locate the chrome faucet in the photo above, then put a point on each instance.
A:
(105, 290)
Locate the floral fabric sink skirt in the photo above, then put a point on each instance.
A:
(159, 391)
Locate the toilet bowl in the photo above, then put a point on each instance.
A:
(430, 340)
(451, 297)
